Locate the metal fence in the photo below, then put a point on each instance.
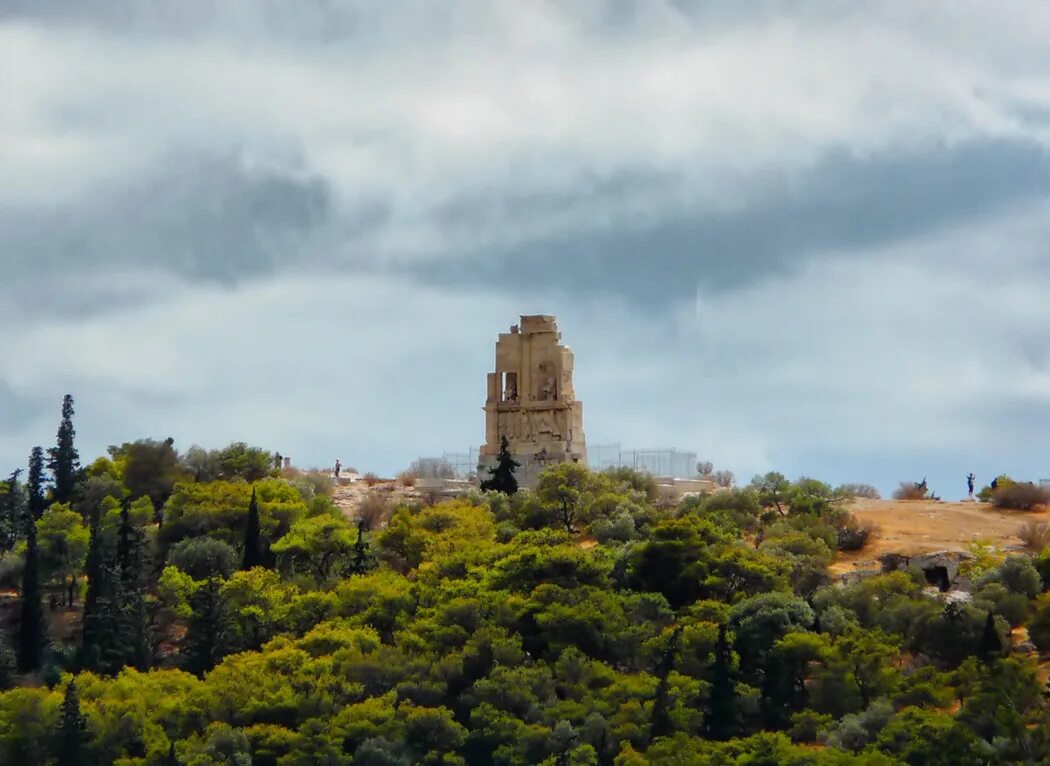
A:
(462, 465)
(658, 462)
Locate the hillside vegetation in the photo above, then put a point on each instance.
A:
(206, 608)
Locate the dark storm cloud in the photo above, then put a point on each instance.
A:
(845, 203)
(215, 218)
(202, 216)
(791, 235)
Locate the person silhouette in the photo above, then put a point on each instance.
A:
(970, 478)
(338, 466)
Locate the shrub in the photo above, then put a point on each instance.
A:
(618, 528)
(858, 490)
(1039, 626)
(985, 493)
(909, 490)
(723, 478)
(1035, 535)
(1042, 565)
(370, 479)
(1021, 496)
(1019, 575)
(407, 478)
(854, 534)
(996, 598)
(373, 510)
(809, 725)
(203, 557)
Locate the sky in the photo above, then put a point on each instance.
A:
(795, 236)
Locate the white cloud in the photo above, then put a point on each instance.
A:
(494, 127)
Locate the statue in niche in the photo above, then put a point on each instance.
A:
(548, 388)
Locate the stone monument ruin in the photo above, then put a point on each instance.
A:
(531, 401)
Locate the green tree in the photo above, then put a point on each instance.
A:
(94, 572)
(205, 636)
(238, 460)
(32, 629)
(762, 620)
(319, 545)
(150, 468)
(37, 499)
(220, 509)
(64, 461)
(71, 735)
(501, 477)
(561, 489)
(991, 646)
(203, 557)
(130, 566)
(721, 711)
(869, 660)
(773, 489)
(253, 554)
(660, 721)
(63, 541)
(362, 559)
(1039, 625)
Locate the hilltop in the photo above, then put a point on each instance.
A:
(915, 527)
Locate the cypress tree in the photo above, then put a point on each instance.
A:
(721, 712)
(95, 572)
(501, 477)
(64, 462)
(660, 722)
(132, 639)
(72, 730)
(991, 646)
(206, 631)
(32, 630)
(361, 558)
(35, 483)
(252, 536)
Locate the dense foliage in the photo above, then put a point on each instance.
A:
(204, 609)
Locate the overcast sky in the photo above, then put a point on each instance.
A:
(801, 236)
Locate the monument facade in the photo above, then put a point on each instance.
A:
(531, 401)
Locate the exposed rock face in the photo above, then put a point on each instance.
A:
(940, 568)
(531, 401)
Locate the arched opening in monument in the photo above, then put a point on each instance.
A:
(938, 576)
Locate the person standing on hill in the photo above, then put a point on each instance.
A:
(970, 478)
(338, 467)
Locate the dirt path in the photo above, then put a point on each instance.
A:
(911, 527)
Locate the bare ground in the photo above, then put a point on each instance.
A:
(912, 527)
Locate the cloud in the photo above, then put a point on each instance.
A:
(305, 225)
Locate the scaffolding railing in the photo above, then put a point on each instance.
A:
(457, 465)
(658, 462)
(676, 463)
